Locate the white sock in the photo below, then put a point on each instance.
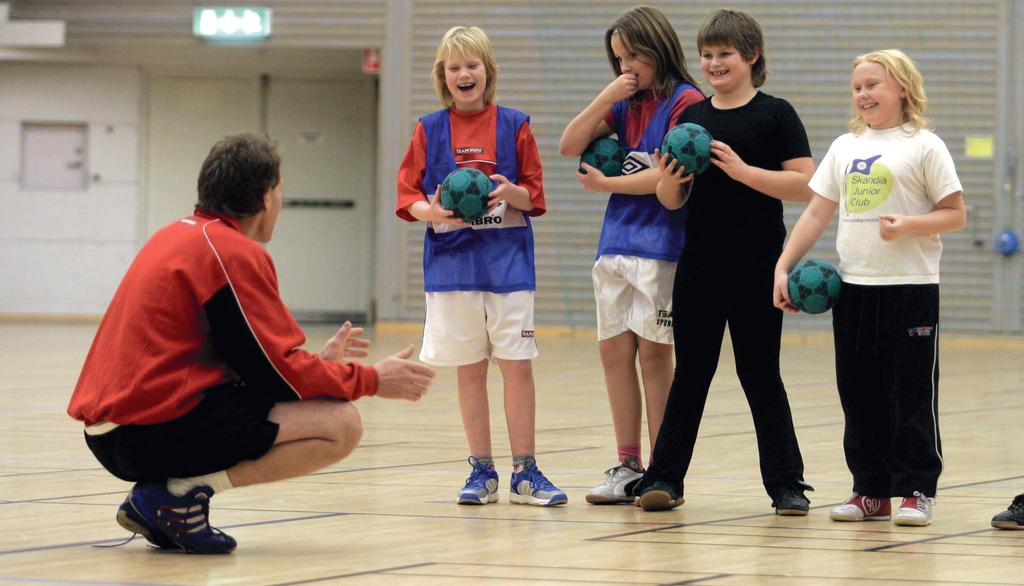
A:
(218, 481)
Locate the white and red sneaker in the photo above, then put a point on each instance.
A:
(916, 511)
(862, 508)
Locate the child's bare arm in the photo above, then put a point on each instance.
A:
(517, 196)
(432, 211)
(589, 124)
(806, 232)
(674, 182)
(950, 215)
(642, 183)
(788, 184)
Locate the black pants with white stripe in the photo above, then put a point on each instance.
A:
(887, 368)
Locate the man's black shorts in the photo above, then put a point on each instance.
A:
(229, 425)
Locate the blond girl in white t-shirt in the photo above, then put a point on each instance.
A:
(896, 189)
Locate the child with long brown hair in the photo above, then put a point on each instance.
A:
(640, 240)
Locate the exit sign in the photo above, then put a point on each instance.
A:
(223, 22)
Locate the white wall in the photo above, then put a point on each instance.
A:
(65, 252)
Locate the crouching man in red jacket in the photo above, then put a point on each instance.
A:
(196, 383)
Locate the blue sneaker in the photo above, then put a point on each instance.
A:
(131, 520)
(184, 520)
(481, 486)
(531, 487)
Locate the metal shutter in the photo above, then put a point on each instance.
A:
(552, 63)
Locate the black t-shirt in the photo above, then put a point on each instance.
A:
(725, 213)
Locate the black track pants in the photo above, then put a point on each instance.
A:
(887, 368)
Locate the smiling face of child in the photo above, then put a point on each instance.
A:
(877, 96)
(725, 69)
(466, 79)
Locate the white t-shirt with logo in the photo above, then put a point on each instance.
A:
(892, 171)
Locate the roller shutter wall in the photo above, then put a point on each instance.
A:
(552, 63)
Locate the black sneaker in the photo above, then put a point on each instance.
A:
(1012, 517)
(789, 499)
(659, 496)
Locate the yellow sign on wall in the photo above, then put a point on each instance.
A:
(979, 147)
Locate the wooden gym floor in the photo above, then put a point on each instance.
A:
(386, 515)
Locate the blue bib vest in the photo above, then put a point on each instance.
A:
(638, 225)
(499, 259)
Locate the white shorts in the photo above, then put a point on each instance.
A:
(465, 327)
(634, 294)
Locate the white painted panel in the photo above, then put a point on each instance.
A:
(54, 157)
(113, 153)
(10, 156)
(32, 34)
(187, 116)
(61, 277)
(69, 248)
(99, 215)
(328, 150)
(56, 93)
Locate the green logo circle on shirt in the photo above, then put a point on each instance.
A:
(868, 185)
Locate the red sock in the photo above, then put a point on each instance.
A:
(629, 456)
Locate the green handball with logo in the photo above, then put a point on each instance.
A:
(465, 192)
(605, 155)
(690, 144)
(814, 286)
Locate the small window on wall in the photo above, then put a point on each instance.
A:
(54, 157)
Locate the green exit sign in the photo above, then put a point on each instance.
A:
(222, 22)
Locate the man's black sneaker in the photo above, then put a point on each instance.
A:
(659, 496)
(1012, 517)
(789, 500)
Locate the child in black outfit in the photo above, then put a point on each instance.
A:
(725, 273)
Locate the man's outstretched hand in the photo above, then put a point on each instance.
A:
(401, 378)
(345, 343)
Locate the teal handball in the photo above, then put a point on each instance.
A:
(690, 144)
(814, 286)
(465, 192)
(605, 155)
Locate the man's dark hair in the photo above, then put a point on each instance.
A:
(237, 174)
